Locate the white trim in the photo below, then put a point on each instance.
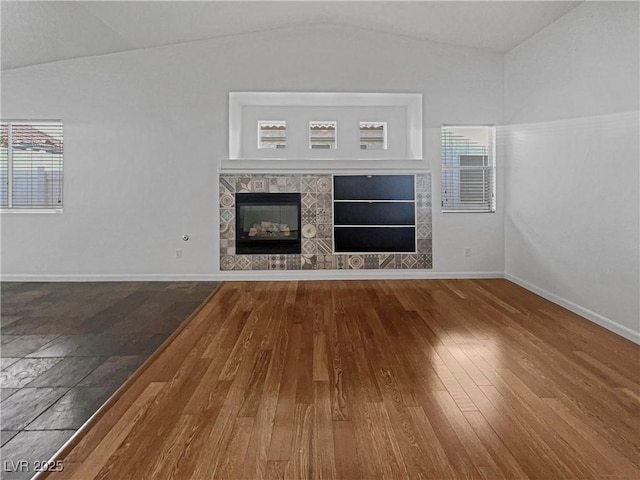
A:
(325, 166)
(257, 275)
(17, 210)
(374, 201)
(601, 320)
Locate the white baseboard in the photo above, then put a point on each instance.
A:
(256, 275)
(150, 277)
(601, 320)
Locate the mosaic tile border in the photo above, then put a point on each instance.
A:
(317, 221)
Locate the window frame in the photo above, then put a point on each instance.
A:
(10, 208)
(489, 172)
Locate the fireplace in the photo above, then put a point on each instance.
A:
(268, 223)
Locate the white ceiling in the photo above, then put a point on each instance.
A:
(40, 32)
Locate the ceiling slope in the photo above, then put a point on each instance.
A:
(40, 32)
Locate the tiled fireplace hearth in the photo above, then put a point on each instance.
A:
(317, 229)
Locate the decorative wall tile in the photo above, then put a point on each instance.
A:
(309, 183)
(227, 184)
(387, 261)
(340, 262)
(227, 200)
(324, 246)
(324, 201)
(259, 262)
(309, 201)
(277, 262)
(325, 262)
(227, 231)
(309, 231)
(227, 215)
(243, 262)
(259, 184)
(422, 200)
(324, 231)
(423, 216)
(324, 183)
(243, 184)
(423, 182)
(227, 262)
(423, 231)
(424, 245)
(371, 261)
(409, 261)
(308, 216)
(228, 250)
(293, 262)
(324, 216)
(277, 184)
(356, 262)
(424, 261)
(317, 226)
(308, 262)
(293, 184)
(309, 246)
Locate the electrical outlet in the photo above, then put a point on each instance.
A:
(178, 253)
(467, 252)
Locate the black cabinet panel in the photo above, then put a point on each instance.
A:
(376, 213)
(373, 187)
(372, 239)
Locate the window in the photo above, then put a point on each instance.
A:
(322, 135)
(468, 169)
(272, 134)
(31, 157)
(373, 135)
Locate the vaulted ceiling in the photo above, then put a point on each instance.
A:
(40, 32)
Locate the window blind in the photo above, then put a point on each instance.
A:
(31, 165)
(4, 165)
(468, 169)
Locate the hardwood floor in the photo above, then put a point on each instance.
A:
(374, 379)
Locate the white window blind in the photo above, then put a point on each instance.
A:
(468, 169)
(31, 165)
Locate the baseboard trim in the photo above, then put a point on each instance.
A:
(257, 275)
(601, 320)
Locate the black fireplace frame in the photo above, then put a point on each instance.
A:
(279, 246)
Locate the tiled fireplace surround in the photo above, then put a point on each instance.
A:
(316, 210)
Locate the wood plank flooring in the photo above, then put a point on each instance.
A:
(375, 379)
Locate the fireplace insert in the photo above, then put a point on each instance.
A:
(267, 223)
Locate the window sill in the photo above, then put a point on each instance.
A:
(30, 210)
(468, 211)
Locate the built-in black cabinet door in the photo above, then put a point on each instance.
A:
(373, 187)
(374, 213)
(375, 239)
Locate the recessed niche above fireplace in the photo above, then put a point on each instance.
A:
(326, 131)
(268, 223)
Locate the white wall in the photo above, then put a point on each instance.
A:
(571, 158)
(144, 131)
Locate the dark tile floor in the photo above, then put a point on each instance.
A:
(66, 347)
